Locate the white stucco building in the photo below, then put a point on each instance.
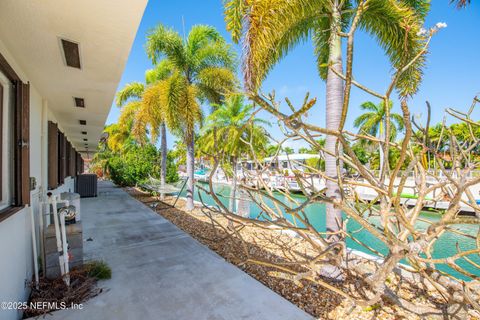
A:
(60, 64)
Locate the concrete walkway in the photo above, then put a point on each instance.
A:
(160, 272)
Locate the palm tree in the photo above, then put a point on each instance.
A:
(117, 136)
(115, 142)
(373, 122)
(270, 29)
(140, 105)
(118, 140)
(200, 69)
(271, 150)
(228, 129)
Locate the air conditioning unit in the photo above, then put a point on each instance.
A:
(87, 185)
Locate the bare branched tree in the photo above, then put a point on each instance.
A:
(372, 201)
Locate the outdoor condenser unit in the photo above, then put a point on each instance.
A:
(87, 185)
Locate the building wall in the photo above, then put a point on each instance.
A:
(16, 262)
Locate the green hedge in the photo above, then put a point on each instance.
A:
(134, 166)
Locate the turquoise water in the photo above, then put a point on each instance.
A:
(445, 246)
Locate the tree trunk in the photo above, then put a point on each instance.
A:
(231, 203)
(381, 138)
(334, 106)
(190, 171)
(163, 164)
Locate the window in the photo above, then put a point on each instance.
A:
(67, 156)
(61, 158)
(15, 139)
(52, 155)
(6, 186)
(6, 150)
(21, 139)
(70, 160)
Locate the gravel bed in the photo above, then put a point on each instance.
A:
(266, 244)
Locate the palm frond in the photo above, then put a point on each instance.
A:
(360, 120)
(215, 54)
(235, 11)
(369, 106)
(161, 71)
(170, 99)
(398, 119)
(461, 3)
(271, 29)
(396, 25)
(215, 83)
(128, 113)
(166, 42)
(201, 36)
(321, 36)
(133, 90)
(179, 105)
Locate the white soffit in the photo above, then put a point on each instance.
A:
(105, 31)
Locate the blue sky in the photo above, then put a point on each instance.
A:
(452, 75)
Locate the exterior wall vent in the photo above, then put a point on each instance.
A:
(83, 122)
(79, 102)
(71, 53)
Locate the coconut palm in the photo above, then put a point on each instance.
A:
(140, 106)
(272, 28)
(228, 129)
(200, 69)
(374, 121)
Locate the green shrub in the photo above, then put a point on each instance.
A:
(172, 169)
(98, 269)
(134, 165)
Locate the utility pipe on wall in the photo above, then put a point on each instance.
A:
(61, 237)
(53, 202)
(66, 267)
(34, 245)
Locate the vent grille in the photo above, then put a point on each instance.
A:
(71, 53)
(79, 102)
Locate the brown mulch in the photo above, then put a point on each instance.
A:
(268, 245)
(53, 295)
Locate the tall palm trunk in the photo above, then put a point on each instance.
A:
(231, 203)
(163, 163)
(381, 138)
(334, 105)
(190, 170)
